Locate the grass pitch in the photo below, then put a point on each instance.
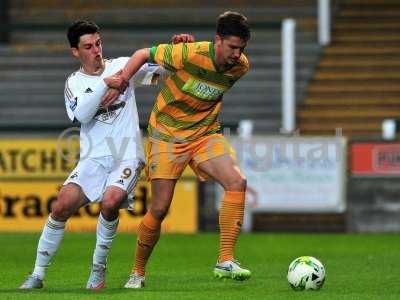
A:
(357, 266)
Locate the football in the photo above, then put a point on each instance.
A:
(306, 273)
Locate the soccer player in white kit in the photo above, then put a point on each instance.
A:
(111, 149)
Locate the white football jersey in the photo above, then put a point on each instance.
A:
(113, 131)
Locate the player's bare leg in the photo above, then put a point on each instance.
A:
(69, 200)
(225, 171)
(149, 229)
(106, 230)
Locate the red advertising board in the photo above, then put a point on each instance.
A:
(375, 159)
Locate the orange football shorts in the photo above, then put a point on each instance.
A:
(168, 160)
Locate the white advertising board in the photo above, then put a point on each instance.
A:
(293, 174)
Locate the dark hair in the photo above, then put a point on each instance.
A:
(232, 23)
(79, 28)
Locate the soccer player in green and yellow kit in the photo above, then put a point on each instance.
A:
(184, 129)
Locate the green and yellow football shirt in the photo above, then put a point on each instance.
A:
(188, 104)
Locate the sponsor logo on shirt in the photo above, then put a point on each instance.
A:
(108, 115)
(88, 90)
(203, 90)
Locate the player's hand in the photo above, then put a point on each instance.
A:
(117, 82)
(110, 97)
(182, 38)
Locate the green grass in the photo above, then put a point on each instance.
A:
(358, 267)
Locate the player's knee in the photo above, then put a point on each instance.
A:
(159, 212)
(60, 210)
(237, 184)
(112, 202)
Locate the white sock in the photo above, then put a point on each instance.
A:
(49, 242)
(106, 231)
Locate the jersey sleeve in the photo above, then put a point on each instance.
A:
(70, 101)
(83, 106)
(149, 74)
(171, 56)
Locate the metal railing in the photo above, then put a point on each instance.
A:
(289, 62)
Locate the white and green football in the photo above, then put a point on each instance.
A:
(306, 273)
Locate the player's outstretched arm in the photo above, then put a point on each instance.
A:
(137, 60)
(116, 80)
(119, 81)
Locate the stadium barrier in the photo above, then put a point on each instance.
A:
(33, 170)
(292, 175)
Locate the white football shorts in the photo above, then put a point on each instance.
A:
(94, 175)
